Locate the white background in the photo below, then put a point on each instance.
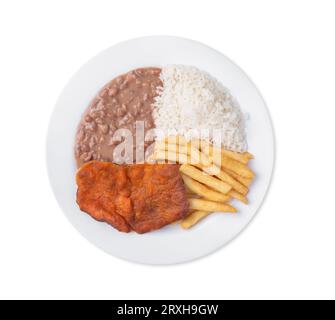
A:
(287, 48)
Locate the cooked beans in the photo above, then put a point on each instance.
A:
(125, 100)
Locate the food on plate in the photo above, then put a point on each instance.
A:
(237, 167)
(139, 197)
(245, 181)
(160, 145)
(241, 157)
(173, 139)
(196, 156)
(201, 190)
(193, 218)
(235, 194)
(227, 162)
(192, 99)
(204, 185)
(232, 182)
(170, 156)
(211, 206)
(204, 178)
(121, 103)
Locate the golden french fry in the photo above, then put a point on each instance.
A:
(206, 179)
(170, 147)
(207, 162)
(191, 194)
(225, 162)
(170, 156)
(180, 145)
(193, 218)
(225, 177)
(204, 162)
(200, 144)
(200, 189)
(238, 196)
(231, 181)
(160, 145)
(175, 140)
(241, 157)
(237, 167)
(206, 205)
(192, 149)
(194, 155)
(245, 181)
(248, 155)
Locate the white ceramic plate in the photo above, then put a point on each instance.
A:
(171, 244)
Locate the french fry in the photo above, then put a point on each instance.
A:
(248, 155)
(212, 162)
(200, 144)
(241, 157)
(178, 144)
(201, 160)
(206, 179)
(193, 218)
(231, 181)
(195, 157)
(191, 194)
(206, 205)
(245, 181)
(238, 196)
(203, 191)
(226, 162)
(237, 167)
(225, 177)
(175, 140)
(170, 147)
(170, 156)
(234, 166)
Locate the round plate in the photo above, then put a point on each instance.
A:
(171, 244)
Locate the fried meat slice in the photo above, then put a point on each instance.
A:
(139, 197)
(158, 196)
(104, 193)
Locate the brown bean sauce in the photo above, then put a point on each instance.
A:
(123, 101)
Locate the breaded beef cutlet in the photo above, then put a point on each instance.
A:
(139, 197)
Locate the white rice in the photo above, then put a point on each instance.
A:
(191, 101)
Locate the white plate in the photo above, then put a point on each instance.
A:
(171, 244)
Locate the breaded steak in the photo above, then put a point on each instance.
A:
(139, 197)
